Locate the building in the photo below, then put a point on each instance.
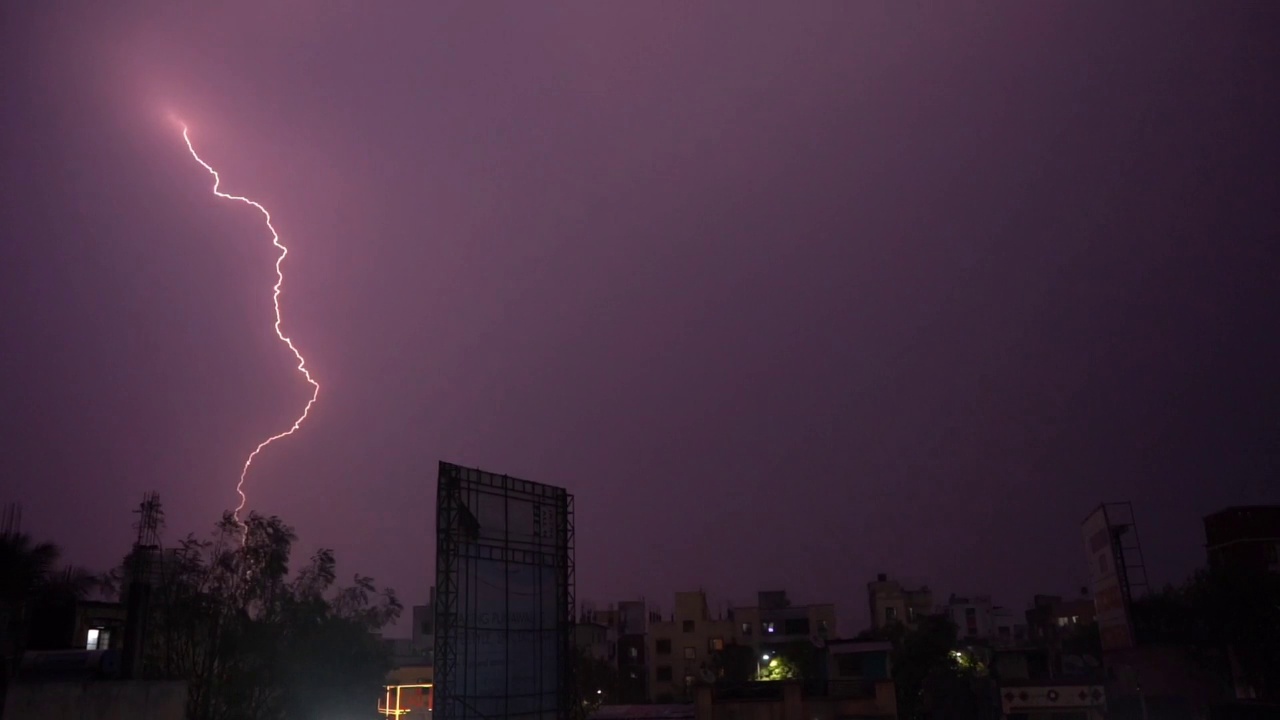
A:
(596, 641)
(858, 685)
(1246, 537)
(1028, 685)
(774, 622)
(408, 694)
(1051, 619)
(861, 670)
(682, 647)
(632, 652)
(98, 625)
(978, 619)
(408, 689)
(891, 603)
(589, 613)
(1008, 627)
(417, 650)
(972, 616)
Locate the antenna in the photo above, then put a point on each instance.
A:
(138, 600)
(150, 521)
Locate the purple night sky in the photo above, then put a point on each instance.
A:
(786, 293)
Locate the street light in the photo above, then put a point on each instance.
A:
(759, 667)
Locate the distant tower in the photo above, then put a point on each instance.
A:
(139, 568)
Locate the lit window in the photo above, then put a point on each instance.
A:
(769, 627)
(1062, 622)
(633, 652)
(716, 644)
(94, 635)
(746, 628)
(1075, 619)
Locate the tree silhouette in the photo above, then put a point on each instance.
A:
(255, 644)
(35, 598)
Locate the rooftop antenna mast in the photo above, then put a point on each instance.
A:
(146, 548)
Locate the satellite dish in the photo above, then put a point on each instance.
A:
(817, 641)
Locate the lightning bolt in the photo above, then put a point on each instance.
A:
(275, 300)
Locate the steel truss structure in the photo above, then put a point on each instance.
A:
(526, 638)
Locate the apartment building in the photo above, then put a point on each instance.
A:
(773, 622)
(891, 602)
(971, 615)
(633, 655)
(682, 647)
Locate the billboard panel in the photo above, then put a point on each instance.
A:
(504, 576)
(1105, 568)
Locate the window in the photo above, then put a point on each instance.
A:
(715, 645)
(690, 653)
(769, 627)
(688, 681)
(824, 628)
(94, 635)
(688, 626)
(890, 614)
(1075, 619)
(1062, 621)
(664, 673)
(1004, 631)
(664, 647)
(911, 614)
(746, 628)
(633, 653)
(796, 626)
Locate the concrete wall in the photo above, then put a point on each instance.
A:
(792, 705)
(97, 700)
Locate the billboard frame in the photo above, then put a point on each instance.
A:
(1110, 533)
(457, 548)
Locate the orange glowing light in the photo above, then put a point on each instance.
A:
(394, 705)
(275, 299)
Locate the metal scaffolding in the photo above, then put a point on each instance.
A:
(503, 647)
